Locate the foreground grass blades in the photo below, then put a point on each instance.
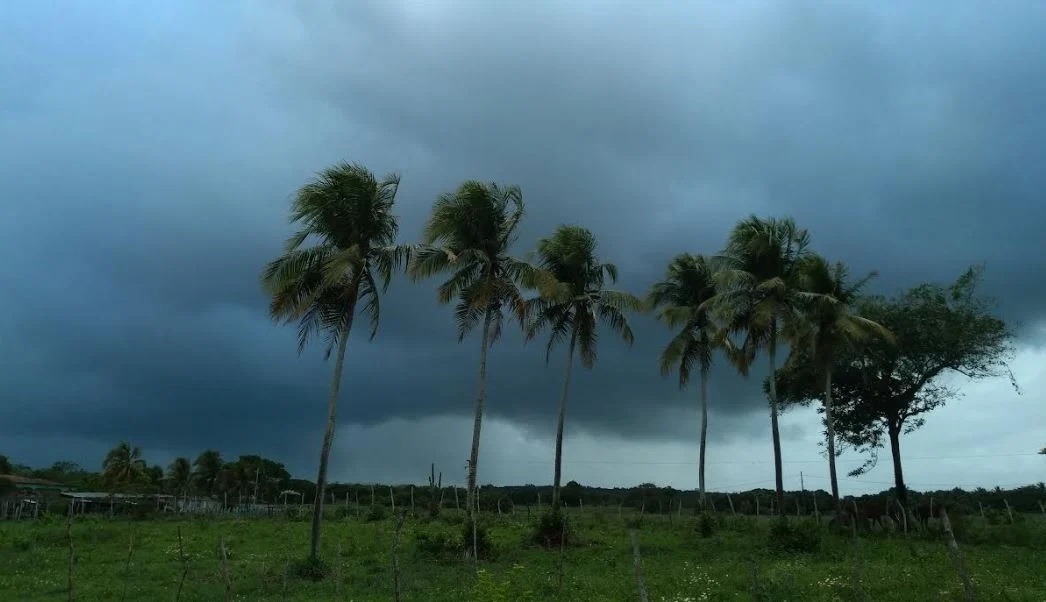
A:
(735, 562)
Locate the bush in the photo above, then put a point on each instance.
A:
(376, 513)
(452, 518)
(706, 525)
(482, 539)
(311, 569)
(797, 536)
(552, 529)
(438, 542)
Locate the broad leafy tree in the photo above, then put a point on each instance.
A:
(342, 257)
(681, 301)
(124, 466)
(5, 465)
(468, 236)
(573, 314)
(757, 286)
(829, 333)
(887, 389)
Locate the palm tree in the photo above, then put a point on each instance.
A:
(343, 255)
(575, 310)
(469, 234)
(683, 301)
(757, 281)
(830, 331)
(179, 475)
(123, 465)
(206, 469)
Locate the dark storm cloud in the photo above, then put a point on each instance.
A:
(149, 157)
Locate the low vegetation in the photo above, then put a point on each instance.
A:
(742, 557)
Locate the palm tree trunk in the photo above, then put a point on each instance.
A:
(830, 424)
(559, 424)
(898, 472)
(704, 435)
(328, 435)
(775, 430)
(477, 422)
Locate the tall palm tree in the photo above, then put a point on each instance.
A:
(757, 282)
(830, 331)
(468, 235)
(682, 302)
(124, 465)
(573, 313)
(206, 469)
(179, 476)
(343, 255)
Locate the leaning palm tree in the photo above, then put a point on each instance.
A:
(343, 256)
(468, 235)
(575, 309)
(682, 302)
(830, 332)
(757, 282)
(123, 465)
(179, 476)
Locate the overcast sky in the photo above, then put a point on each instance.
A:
(149, 152)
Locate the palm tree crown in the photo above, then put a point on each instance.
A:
(124, 464)
(346, 213)
(681, 301)
(469, 234)
(579, 300)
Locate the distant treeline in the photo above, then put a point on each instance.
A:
(237, 481)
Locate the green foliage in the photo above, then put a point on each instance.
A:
(5, 465)
(439, 542)
(309, 569)
(489, 588)
(552, 529)
(481, 537)
(706, 525)
(376, 513)
(124, 466)
(682, 300)
(799, 536)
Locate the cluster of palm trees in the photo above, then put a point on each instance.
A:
(765, 288)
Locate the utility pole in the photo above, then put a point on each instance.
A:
(801, 484)
(256, 471)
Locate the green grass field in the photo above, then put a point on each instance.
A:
(737, 562)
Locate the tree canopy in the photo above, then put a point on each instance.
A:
(886, 388)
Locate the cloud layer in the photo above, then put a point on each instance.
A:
(150, 156)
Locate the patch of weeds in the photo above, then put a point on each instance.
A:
(552, 529)
(438, 542)
(309, 569)
(376, 514)
(794, 536)
(706, 525)
(483, 545)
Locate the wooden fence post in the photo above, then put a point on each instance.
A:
(637, 565)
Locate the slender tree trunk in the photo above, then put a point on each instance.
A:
(477, 423)
(328, 435)
(898, 472)
(774, 428)
(559, 423)
(704, 436)
(831, 435)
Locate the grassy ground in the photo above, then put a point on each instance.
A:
(739, 561)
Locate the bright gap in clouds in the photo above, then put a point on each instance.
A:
(968, 443)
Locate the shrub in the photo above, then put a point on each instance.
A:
(705, 525)
(552, 529)
(489, 589)
(376, 513)
(797, 536)
(309, 568)
(452, 518)
(482, 539)
(436, 541)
